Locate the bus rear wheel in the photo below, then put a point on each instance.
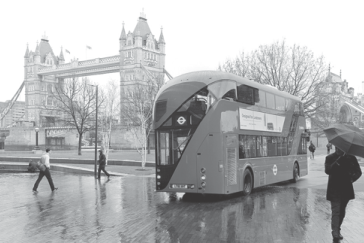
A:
(247, 182)
(296, 173)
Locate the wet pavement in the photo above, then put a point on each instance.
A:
(126, 209)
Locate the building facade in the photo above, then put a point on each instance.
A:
(15, 114)
(38, 89)
(337, 103)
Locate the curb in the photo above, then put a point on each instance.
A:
(11, 167)
(76, 161)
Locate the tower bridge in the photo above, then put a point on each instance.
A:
(140, 57)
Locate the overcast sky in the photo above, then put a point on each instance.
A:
(199, 34)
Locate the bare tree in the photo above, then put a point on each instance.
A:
(329, 102)
(75, 100)
(109, 115)
(293, 69)
(138, 107)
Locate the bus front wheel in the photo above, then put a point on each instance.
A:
(296, 172)
(247, 182)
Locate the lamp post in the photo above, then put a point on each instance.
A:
(36, 138)
(95, 166)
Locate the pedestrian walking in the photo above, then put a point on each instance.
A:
(44, 161)
(102, 165)
(343, 170)
(312, 149)
(329, 147)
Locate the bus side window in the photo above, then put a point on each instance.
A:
(272, 146)
(288, 104)
(280, 103)
(259, 97)
(271, 104)
(245, 94)
(302, 113)
(247, 146)
(296, 108)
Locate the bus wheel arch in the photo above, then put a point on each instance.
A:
(296, 171)
(248, 181)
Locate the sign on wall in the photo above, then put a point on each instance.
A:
(258, 121)
(57, 132)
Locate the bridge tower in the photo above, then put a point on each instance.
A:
(38, 88)
(140, 47)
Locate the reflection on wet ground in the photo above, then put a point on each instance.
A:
(128, 210)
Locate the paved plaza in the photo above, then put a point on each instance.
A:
(126, 209)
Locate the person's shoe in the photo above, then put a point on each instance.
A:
(341, 237)
(35, 191)
(56, 188)
(336, 238)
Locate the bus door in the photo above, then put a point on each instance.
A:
(210, 166)
(231, 163)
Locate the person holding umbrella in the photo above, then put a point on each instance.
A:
(343, 170)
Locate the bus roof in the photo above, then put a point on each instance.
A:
(179, 89)
(207, 77)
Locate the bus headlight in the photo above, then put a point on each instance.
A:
(203, 170)
(203, 184)
(203, 177)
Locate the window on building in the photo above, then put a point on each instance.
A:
(49, 101)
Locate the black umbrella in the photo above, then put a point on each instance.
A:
(348, 138)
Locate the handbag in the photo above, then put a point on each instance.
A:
(41, 166)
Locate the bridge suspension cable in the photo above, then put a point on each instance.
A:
(11, 103)
(167, 73)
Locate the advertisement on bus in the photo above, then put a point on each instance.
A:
(258, 121)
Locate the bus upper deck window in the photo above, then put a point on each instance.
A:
(259, 98)
(223, 89)
(302, 113)
(280, 103)
(270, 101)
(246, 94)
(288, 104)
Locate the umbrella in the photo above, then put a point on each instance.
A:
(348, 138)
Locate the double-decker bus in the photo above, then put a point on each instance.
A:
(218, 133)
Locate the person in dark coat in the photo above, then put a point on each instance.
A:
(329, 147)
(343, 169)
(102, 165)
(312, 149)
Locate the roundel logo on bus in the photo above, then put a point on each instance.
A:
(181, 120)
(275, 169)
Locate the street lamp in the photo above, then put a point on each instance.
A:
(95, 167)
(36, 138)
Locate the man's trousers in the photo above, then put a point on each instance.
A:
(46, 173)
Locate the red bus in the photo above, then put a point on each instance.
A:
(219, 133)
